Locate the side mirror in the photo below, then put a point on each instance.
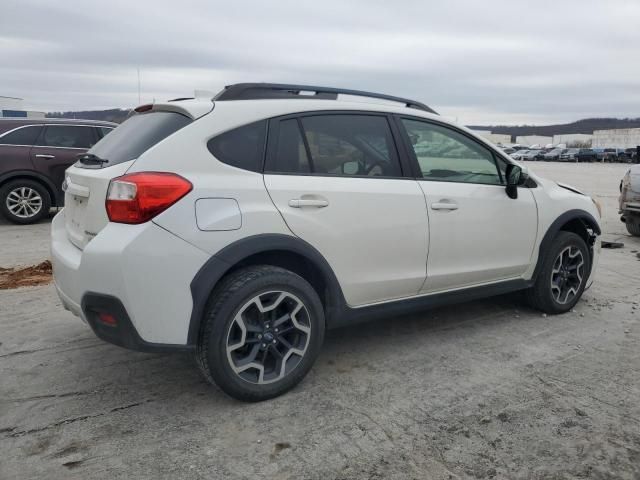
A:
(514, 176)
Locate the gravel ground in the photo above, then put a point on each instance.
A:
(481, 390)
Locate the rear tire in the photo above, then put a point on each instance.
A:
(633, 226)
(262, 331)
(24, 201)
(561, 281)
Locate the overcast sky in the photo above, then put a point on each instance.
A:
(482, 62)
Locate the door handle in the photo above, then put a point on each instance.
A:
(444, 205)
(308, 202)
(42, 155)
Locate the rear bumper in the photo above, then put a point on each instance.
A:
(122, 332)
(143, 270)
(68, 303)
(630, 208)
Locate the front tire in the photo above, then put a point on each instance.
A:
(633, 226)
(564, 273)
(24, 201)
(263, 329)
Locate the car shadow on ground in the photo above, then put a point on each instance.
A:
(343, 347)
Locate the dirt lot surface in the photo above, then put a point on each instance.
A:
(480, 390)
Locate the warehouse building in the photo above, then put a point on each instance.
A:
(496, 138)
(13, 107)
(573, 139)
(529, 140)
(616, 138)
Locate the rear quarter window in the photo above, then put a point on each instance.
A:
(136, 135)
(242, 147)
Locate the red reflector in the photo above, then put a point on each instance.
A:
(143, 108)
(107, 319)
(138, 197)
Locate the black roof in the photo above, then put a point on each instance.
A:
(256, 91)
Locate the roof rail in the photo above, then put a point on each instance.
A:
(256, 91)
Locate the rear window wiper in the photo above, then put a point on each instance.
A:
(91, 159)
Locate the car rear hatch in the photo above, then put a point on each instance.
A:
(87, 181)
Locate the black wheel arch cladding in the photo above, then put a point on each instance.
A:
(229, 257)
(337, 311)
(585, 218)
(55, 196)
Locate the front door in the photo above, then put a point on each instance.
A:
(477, 233)
(337, 181)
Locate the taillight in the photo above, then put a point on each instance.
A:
(138, 197)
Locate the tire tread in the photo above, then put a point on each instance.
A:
(633, 227)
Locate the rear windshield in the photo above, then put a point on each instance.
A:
(135, 136)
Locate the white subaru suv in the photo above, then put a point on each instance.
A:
(243, 226)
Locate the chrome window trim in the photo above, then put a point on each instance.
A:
(48, 125)
(16, 129)
(65, 148)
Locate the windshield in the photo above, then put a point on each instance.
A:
(133, 137)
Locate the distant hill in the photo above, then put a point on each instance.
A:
(117, 115)
(587, 125)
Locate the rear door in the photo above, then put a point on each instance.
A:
(338, 182)
(58, 147)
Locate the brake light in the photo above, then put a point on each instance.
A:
(138, 197)
(143, 108)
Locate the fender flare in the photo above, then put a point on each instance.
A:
(585, 217)
(56, 197)
(217, 266)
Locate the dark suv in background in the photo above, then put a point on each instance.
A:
(34, 154)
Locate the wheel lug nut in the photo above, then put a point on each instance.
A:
(276, 330)
(274, 341)
(264, 345)
(259, 336)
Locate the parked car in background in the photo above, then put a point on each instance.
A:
(587, 155)
(241, 228)
(569, 155)
(34, 153)
(554, 154)
(532, 155)
(630, 200)
(518, 154)
(609, 155)
(508, 150)
(628, 155)
(540, 156)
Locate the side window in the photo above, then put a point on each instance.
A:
(241, 147)
(22, 136)
(445, 155)
(351, 145)
(67, 136)
(103, 131)
(345, 145)
(290, 154)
